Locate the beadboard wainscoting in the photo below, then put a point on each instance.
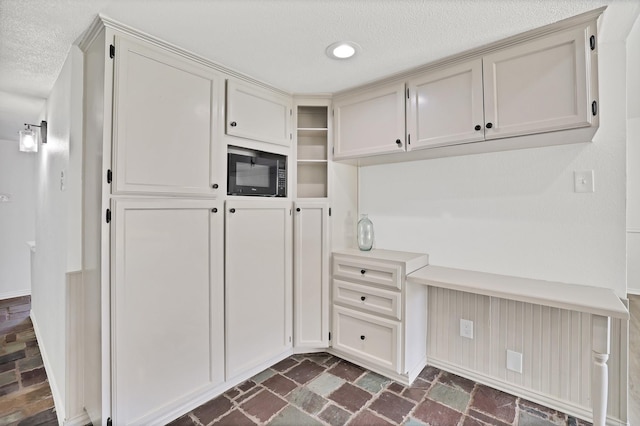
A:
(74, 404)
(555, 345)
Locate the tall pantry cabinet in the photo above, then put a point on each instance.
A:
(153, 230)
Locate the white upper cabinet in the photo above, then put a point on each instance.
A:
(445, 106)
(165, 118)
(258, 114)
(370, 122)
(539, 86)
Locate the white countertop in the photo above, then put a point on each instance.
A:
(413, 261)
(593, 300)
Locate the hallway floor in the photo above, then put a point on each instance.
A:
(25, 396)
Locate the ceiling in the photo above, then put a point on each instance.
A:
(280, 42)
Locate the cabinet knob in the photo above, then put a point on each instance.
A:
(362, 298)
(478, 127)
(489, 125)
(214, 210)
(362, 271)
(233, 124)
(214, 186)
(297, 209)
(232, 210)
(398, 142)
(362, 337)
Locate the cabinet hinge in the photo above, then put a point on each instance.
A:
(108, 216)
(289, 339)
(329, 211)
(592, 42)
(109, 176)
(333, 150)
(112, 51)
(109, 422)
(291, 136)
(291, 112)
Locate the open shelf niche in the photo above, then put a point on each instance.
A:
(312, 151)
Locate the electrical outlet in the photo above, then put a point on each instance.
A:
(514, 361)
(466, 328)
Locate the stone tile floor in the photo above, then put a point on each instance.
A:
(25, 396)
(320, 389)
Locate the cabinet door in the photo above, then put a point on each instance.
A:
(370, 122)
(539, 86)
(259, 114)
(165, 110)
(167, 305)
(311, 275)
(446, 107)
(257, 283)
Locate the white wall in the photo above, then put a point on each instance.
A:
(58, 222)
(633, 159)
(17, 218)
(515, 212)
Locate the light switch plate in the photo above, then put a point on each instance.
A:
(583, 181)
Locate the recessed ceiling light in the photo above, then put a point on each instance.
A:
(342, 50)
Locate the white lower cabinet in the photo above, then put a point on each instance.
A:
(379, 320)
(257, 283)
(311, 275)
(167, 305)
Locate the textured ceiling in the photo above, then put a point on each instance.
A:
(281, 42)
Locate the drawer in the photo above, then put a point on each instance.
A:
(367, 298)
(375, 273)
(373, 339)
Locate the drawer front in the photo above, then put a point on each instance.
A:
(373, 339)
(367, 298)
(375, 273)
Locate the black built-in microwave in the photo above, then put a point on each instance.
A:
(256, 173)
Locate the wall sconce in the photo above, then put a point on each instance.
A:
(29, 137)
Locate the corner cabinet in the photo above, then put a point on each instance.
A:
(167, 305)
(165, 119)
(380, 320)
(259, 114)
(370, 122)
(311, 275)
(257, 284)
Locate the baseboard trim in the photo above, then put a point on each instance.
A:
(14, 294)
(78, 420)
(542, 399)
(634, 291)
(57, 398)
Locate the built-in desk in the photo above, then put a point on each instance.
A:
(601, 303)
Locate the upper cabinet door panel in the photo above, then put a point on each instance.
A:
(446, 106)
(164, 118)
(258, 114)
(370, 122)
(539, 86)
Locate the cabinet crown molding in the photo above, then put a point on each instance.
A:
(103, 21)
(556, 27)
